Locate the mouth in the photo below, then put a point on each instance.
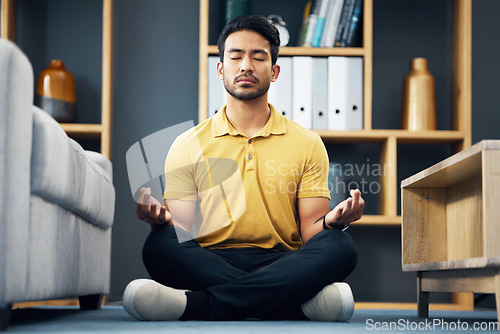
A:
(246, 80)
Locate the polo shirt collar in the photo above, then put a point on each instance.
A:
(274, 126)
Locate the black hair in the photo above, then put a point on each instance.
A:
(256, 23)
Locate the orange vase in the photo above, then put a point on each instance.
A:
(419, 98)
(56, 92)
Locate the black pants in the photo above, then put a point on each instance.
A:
(233, 284)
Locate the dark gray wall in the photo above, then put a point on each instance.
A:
(485, 73)
(156, 86)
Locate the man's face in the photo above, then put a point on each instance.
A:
(247, 69)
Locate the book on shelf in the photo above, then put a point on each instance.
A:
(345, 19)
(320, 22)
(305, 23)
(350, 35)
(331, 23)
(309, 25)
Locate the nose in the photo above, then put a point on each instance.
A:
(246, 65)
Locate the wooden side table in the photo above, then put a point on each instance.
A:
(451, 224)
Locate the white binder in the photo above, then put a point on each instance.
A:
(320, 94)
(280, 91)
(302, 90)
(355, 94)
(216, 92)
(337, 96)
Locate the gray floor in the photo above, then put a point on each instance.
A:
(113, 319)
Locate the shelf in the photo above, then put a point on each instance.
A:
(402, 136)
(82, 130)
(378, 220)
(454, 170)
(308, 51)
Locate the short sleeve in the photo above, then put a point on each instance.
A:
(314, 180)
(179, 173)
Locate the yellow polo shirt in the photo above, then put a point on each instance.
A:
(247, 188)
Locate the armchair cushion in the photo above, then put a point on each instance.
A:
(63, 173)
(16, 96)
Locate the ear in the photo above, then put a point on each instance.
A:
(275, 72)
(220, 70)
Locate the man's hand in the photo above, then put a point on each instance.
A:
(150, 210)
(347, 211)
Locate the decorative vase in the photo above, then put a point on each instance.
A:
(419, 98)
(56, 92)
(234, 8)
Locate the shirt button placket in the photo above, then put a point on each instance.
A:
(250, 154)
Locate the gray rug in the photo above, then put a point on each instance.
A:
(113, 319)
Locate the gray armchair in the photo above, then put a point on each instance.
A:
(56, 201)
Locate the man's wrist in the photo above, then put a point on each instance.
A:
(325, 227)
(323, 220)
(342, 227)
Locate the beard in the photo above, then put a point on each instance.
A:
(244, 94)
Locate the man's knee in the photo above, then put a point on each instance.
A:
(163, 256)
(338, 248)
(165, 241)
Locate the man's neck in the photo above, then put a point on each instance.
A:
(248, 117)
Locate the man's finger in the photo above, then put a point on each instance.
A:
(153, 212)
(355, 194)
(146, 210)
(164, 215)
(361, 208)
(358, 206)
(142, 196)
(347, 209)
(141, 208)
(355, 201)
(138, 211)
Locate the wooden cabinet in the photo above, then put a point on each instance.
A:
(100, 130)
(450, 224)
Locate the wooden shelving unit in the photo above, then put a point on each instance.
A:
(83, 130)
(459, 137)
(401, 136)
(103, 130)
